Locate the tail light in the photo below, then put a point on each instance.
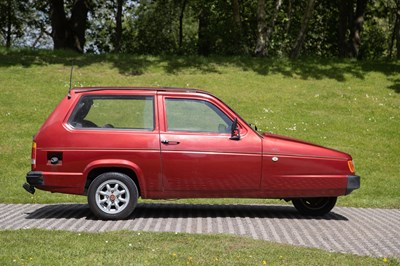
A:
(33, 156)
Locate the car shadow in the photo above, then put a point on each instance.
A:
(179, 210)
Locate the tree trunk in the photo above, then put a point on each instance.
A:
(398, 29)
(118, 26)
(203, 42)
(58, 24)
(37, 39)
(236, 16)
(355, 39)
(398, 40)
(271, 28)
(78, 23)
(393, 35)
(261, 47)
(345, 13)
(9, 23)
(265, 32)
(237, 31)
(181, 23)
(289, 17)
(69, 33)
(303, 30)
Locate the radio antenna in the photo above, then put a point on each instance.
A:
(70, 81)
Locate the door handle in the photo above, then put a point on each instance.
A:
(169, 142)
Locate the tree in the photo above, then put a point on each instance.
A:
(105, 30)
(398, 29)
(396, 32)
(289, 16)
(345, 10)
(345, 28)
(184, 3)
(237, 26)
(203, 43)
(13, 16)
(295, 52)
(350, 21)
(263, 31)
(261, 46)
(69, 33)
(355, 39)
(9, 18)
(118, 26)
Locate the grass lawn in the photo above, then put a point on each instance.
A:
(348, 105)
(38, 247)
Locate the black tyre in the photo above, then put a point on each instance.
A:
(314, 206)
(112, 196)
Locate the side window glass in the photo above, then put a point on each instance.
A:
(121, 112)
(195, 116)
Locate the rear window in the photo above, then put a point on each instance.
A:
(108, 112)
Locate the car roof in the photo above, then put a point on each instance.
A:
(165, 89)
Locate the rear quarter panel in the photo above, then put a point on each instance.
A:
(83, 150)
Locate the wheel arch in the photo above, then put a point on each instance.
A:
(128, 168)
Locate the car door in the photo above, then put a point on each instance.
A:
(197, 153)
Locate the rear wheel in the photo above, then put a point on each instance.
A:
(314, 206)
(112, 196)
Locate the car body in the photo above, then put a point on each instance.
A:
(115, 144)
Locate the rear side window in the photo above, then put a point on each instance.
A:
(120, 112)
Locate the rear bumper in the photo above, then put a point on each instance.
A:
(353, 182)
(34, 178)
(61, 182)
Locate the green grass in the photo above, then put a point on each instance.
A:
(348, 105)
(39, 247)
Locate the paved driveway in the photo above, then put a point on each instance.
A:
(371, 232)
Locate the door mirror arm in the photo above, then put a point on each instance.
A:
(235, 132)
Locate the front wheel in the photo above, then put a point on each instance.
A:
(112, 196)
(314, 206)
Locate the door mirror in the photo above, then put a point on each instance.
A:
(235, 132)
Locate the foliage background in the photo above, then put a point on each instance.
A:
(208, 27)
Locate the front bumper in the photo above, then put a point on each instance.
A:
(353, 182)
(33, 179)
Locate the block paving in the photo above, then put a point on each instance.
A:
(361, 231)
